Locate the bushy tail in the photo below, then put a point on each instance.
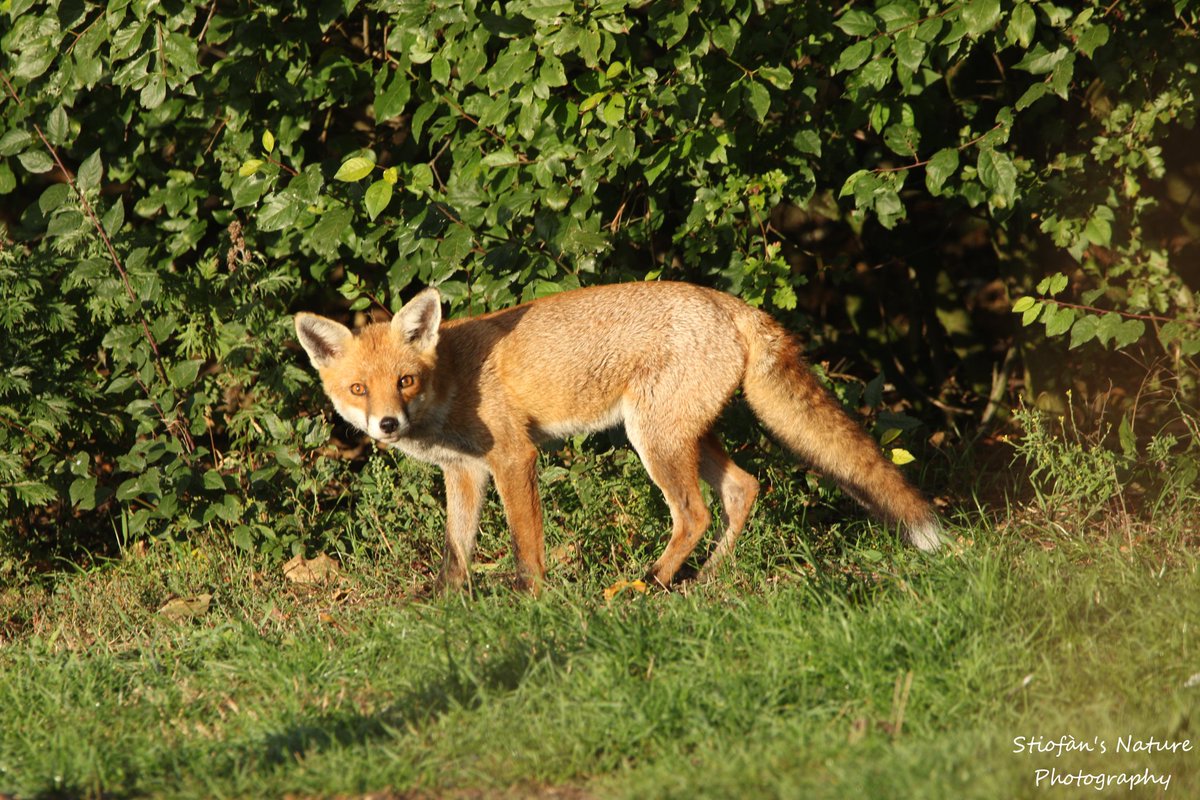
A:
(790, 401)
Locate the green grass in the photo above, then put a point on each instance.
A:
(827, 664)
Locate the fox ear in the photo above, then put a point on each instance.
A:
(323, 339)
(417, 323)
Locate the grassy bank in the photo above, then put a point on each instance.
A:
(883, 676)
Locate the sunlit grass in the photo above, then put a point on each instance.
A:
(825, 662)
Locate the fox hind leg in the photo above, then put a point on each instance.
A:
(737, 490)
(674, 466)
(515, 473)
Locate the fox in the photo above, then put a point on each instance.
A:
(476, 396)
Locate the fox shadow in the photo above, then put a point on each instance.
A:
(463, 682)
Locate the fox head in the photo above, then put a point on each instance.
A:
(379, 377)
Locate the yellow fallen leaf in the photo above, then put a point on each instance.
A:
(900, 456)
(310, 570)
(181, 608)
(621, 586)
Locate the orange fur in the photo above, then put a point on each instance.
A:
(475, 396)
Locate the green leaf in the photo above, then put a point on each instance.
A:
(439, 69)
(1126, 437)
(1107, 327)
(390, 102)
(8, 181)
(853, 56)
(114, 218)
(354, 169)
(1020, 25)
(36, 161)
(14, 141)
(545, 10)
(91, 171)
(58, 127)
(1030, 315)
(1091, 39)
(981, 16)
(247, 191)
(557, 197)
(888, 207)
(154, 92)
(876, 73)
(758, 100)
(784, 297)
(184, 373)
(1039, 60)
(83, 493)
(910, 52)
(67, 221)
(1023, 304)
(591, 101)
(879, 116)
(327, 233)
(903, 140)
(1061, 75)
(997, 172)
(512, 67)
(250, 166)
(898, 14)
(1052, 284)
(1098, 230)
(279, 211)
(725, 37)
(379, 194)
(778, 76)
(421, 179)
(857, 23)
(1031, 95)
(268, 142)
(422, 116)
(943, 164)
(1084, 330)
(53, 197)
(849, 186)
(1060, 321)
(34, 60)
(614, 110)
(1129, 332)
(657, 164)
(1172, 332)
(504, 157)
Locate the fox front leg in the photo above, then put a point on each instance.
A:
(465, 490)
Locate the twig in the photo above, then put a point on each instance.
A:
(962, 146)
(1000, 375)
(212, 9)
(1191, 323)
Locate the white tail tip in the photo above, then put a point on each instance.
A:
(926, 535)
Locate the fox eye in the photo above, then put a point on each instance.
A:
(407, 381)
(358, 389)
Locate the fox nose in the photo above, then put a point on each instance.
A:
(389, 424)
